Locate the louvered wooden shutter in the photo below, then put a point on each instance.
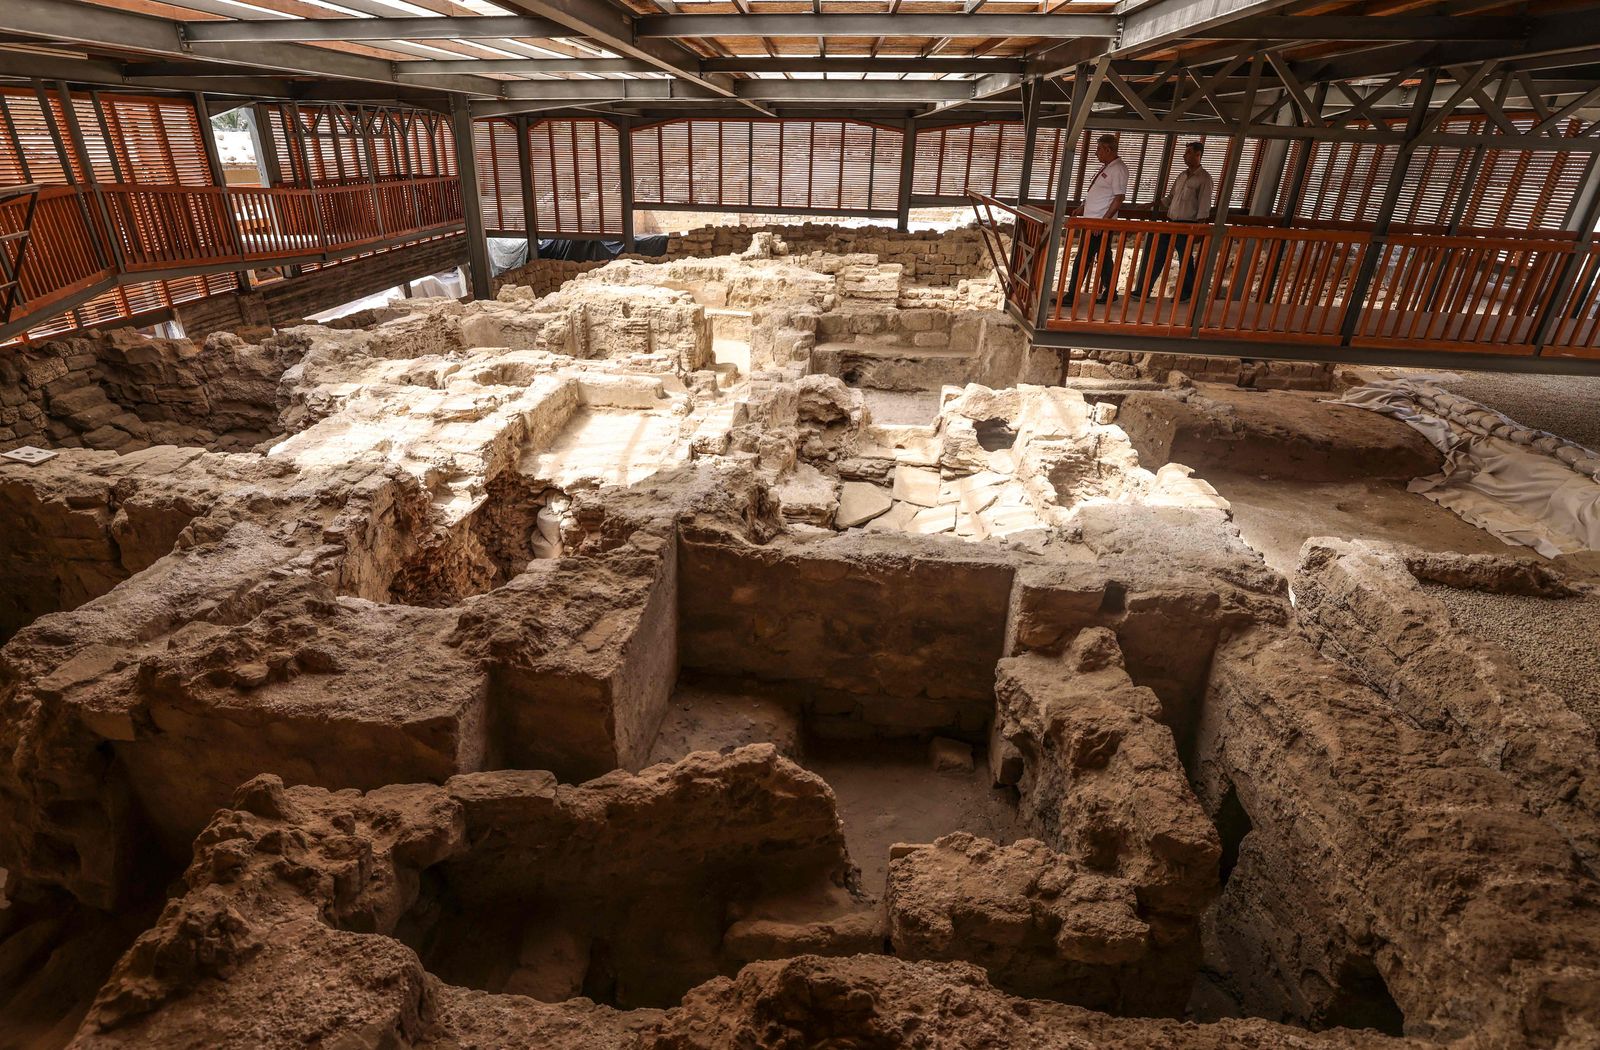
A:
(801, 165)
(985, 157)
(29, 126)
(576, 176)
(499, 174)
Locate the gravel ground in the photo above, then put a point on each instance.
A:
(1568, 406)
(1554, 640)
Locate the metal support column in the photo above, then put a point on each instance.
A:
(69, 170)
(471, 207)
(266, 150)
(1270, 163)
(1480, 153)
(1302, 164)
(297, 136)
(1204, 291)
(1031, 90)
(369, 155)
(625, 175)
(1086, 82)
(530, 203)
(1586, 215)
(908, 169)
(208, 139)
(70, 116)
(1362, 285)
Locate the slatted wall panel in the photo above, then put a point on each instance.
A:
(984, 157)
(145, 140)
(404, 144)
(28, 143)
(1504, 190)
(577, 177)
(830, 166)
(134, 300)
(499, 174)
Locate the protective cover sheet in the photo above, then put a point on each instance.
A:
(1525, 486)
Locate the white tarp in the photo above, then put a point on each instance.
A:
(1524, 486)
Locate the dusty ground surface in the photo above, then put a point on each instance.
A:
(1560, 404)
(1552, 639)
(888, 792)
(771, 651)
(1277, 515)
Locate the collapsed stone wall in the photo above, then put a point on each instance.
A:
(928, 257)
(119, 392)
(1130, 366)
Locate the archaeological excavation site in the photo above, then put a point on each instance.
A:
(521, 531)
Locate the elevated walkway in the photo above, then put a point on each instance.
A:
(1493, 300)
(76, 243)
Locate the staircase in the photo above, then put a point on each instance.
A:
(14, 246)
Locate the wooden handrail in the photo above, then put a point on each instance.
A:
(167, 227)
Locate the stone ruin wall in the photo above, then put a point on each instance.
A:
(477, 705)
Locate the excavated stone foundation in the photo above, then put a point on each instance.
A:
(765, 651)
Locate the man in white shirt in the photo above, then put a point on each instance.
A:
(1189, 201)
(1102, 199)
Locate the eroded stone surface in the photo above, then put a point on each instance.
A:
(498, 562)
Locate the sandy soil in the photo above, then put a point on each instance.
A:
(1276, 516)
(1553, 640)
(888, 793)
(705, 718)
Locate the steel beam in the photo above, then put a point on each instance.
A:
(530, 202)
(1085, 89)
(1361, 286)
(602, 90)
(1145, 24)
(534, 92)
(471, 205)
(908, 172)
(853, 90)
(302, 30)
(1363, 28)
(836, 63)
(1287, 351)
(123, 31)
(606, 25)
(428, 68)
(1049, 27)
(114, 74)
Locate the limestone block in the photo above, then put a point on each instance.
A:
(917, 485)
(949, 756)
(1317, 766)
(808, 496)
(896, 519)
(1102, 783)
(932, 520)
(860, 502)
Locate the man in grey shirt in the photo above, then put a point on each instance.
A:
(1190, 200)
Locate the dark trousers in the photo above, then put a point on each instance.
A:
(1108, 269)
(1155, 263)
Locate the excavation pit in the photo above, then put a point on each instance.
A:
(573, 666)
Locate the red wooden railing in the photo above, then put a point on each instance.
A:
(61, 257)
(1019, 257)
(1461, 293)
(1514, 295)
(1575, 332)
(1290, 285)
(159, 228)
(1104, 269)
